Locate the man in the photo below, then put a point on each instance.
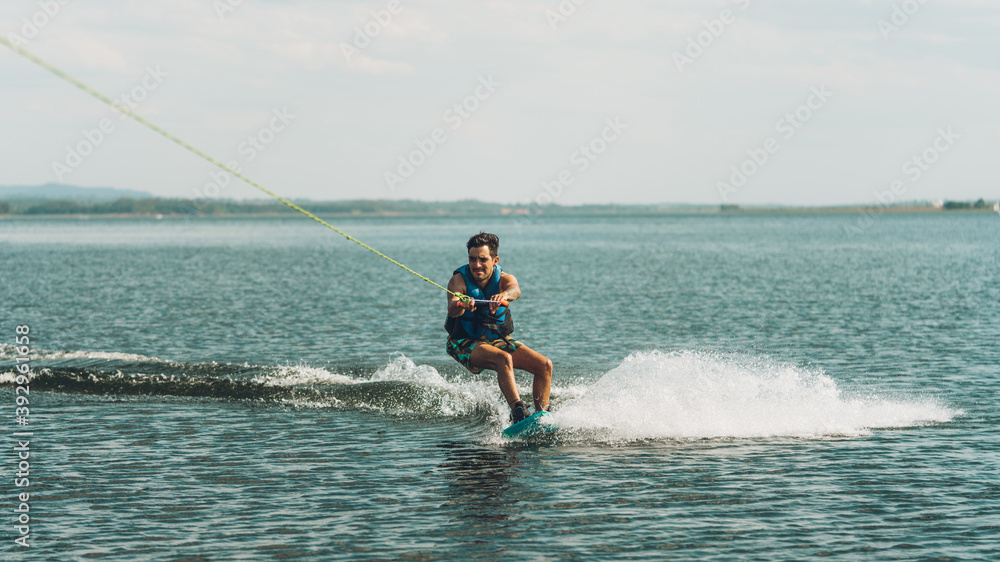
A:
(478, 333)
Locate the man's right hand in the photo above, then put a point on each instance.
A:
(462, 305)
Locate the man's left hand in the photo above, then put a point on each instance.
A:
(497, 299)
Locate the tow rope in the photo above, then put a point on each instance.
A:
(141, 120)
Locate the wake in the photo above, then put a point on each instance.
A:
(690, 395)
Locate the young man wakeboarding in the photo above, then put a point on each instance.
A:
(478, 332)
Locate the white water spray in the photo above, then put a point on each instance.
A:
(689, 395)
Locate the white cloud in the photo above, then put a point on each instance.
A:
(606, 59)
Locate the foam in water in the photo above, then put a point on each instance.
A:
(440, 397)
(403, 369)
(399, 387)
(689, 395)
(399, 369)
(8, 352)
(9, 378)
(295, 375)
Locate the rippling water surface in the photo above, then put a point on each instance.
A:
(726, 387)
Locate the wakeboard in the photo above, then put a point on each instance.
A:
(531, 425)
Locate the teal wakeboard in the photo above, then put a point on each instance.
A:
(529, 426)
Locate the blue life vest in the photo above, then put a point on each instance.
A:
(480, 323)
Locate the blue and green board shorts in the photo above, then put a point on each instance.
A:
(461, 349)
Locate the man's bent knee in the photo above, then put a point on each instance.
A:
(501, 361)
(504, 360)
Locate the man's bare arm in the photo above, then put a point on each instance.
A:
(456, 285)
(509, 289)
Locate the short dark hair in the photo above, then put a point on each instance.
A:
(484, 239)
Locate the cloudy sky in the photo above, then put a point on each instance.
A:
(579, 101)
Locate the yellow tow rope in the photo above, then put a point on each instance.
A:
(138, 119)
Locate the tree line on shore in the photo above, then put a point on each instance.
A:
(156, 206)
(957, 205)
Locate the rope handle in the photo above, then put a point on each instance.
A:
(465, 301)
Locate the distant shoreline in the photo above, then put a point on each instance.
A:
(55, 200)
(60, 200)
(169, 209)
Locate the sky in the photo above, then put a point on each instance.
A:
(788, 102)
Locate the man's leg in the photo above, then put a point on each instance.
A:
(528, 359)
(485, 356)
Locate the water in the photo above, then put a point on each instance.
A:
(727, 387)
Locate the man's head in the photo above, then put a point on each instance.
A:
(483, 255)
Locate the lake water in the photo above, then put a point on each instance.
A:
(727, 387)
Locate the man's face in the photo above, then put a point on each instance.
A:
(481, 263)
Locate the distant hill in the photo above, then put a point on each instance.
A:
(57, 199)
(69, 193)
